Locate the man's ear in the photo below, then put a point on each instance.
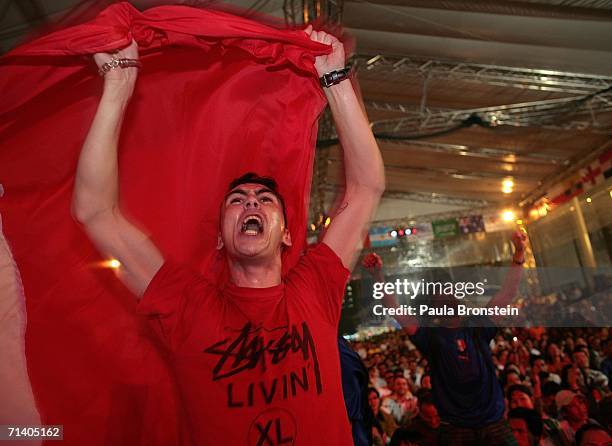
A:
(219, 242)
(286, 237)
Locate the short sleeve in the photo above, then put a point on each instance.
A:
(320, 277)
(174, 292)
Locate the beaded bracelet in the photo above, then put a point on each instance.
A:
(118, 63)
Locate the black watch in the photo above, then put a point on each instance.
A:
(334, 77)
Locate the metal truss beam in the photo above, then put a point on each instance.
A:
(595, 4)
(502, 155)
(452, 173)
(573, 113)
(423, 197)
(399, 68)
(300, 12)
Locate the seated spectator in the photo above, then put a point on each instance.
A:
(573, 379)
(540, 368)
(401, 403)
(520, 396)
(511, 376)
(526, 426)
(573, 409)
(375, 379)
(414, 373)
(388, 376)
(549, 391)
(554, 358)
(387, 422)
(427, 423)
(593, 434)
(594, 378)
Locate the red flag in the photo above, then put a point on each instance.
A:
(218, 95)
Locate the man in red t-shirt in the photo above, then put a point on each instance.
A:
(256, 358)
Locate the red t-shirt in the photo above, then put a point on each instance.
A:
(257, 366)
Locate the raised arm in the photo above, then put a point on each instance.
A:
(363, 165)
(96, 191)
(373, 264)
(512, 281)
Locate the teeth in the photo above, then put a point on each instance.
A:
(252, 217)
(249, 222)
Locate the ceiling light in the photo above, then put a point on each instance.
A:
(508, 215)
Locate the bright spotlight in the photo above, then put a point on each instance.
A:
(508, 215)
(112, 263)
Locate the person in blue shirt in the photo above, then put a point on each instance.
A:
(464, 383)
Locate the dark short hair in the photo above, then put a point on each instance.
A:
(581, 349)
(519, 388)
(268, 182)
(531, 418)
(373, 390)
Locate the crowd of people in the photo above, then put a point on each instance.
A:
(555, 383)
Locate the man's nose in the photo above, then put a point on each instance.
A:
(251, 202)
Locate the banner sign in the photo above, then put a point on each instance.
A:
(445, 228)
(471, 224)
(381, 236)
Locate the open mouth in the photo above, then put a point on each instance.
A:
(252, 225)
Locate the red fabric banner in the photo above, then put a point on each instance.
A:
(218, 95)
